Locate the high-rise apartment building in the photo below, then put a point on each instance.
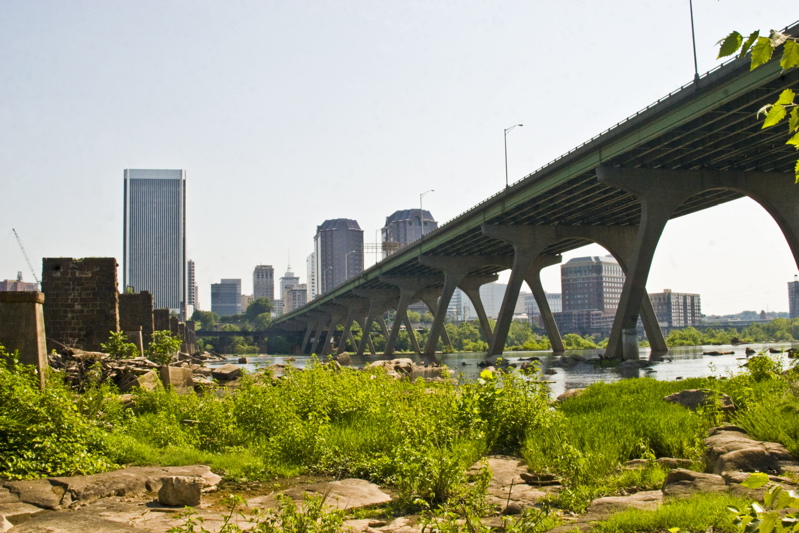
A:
(677, 309)
(296, 297)
(192, 289)
(338, 245)
(263, 282)
(591, 290)
(154, 251)
(793, 298)
(310, 269)
(404, 227)
(591, 283)
(226, 297)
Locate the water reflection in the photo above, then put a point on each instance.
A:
(565, 372)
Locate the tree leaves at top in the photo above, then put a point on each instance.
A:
(762, 52)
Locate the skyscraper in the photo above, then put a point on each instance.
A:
(405, 226)
(263, 282)
(591, 283)
(226, 297)
(793, 298)
(154, 251)
(338, 245)
(192, 286)
(677, 309)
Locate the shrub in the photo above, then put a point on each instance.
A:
(118, 346)
(42, 432)
(163, 348)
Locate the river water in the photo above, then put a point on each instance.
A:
(679, 363)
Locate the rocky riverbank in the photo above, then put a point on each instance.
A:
(133, 499)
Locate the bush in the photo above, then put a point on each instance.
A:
(118, 346)
(163, 348)
(42, 432)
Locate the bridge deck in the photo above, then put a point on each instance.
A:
(711, 124)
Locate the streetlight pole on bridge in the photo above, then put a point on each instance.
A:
(507, 130)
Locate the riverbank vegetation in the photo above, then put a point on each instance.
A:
(419, 437)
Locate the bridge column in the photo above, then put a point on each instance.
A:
(455, 268)
(380, 301)
(471, 287)
(618, 240)
(357, 309)
(320, 329)
(409, 287)
(430, 297)
(337, 314)
(533, 279)
(527, 245)
(661, 192)
(314, 325)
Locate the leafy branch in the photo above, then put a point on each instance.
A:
(762, 49)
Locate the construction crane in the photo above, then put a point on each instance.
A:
(19, 241)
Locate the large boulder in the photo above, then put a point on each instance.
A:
(730, 448)
(131, 380)
(395, 367)
(227, 372)
(569, 394)
(180, 491)
(343, 494)
(177, 377)
(695, 398)
(681, 483)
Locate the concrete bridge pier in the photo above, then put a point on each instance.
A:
(533, 280)
(662, 192)
(471, 287)
(409, 287)
(324, 318)
(357, 309)
(430, 297)
(337, 314)
(380, 301)
(529, 241)
(455, 269)
(314, 326)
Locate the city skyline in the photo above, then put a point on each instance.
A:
(422, 106)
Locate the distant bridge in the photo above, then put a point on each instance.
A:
(696, 148)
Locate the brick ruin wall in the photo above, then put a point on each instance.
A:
(81, 301)
(161, 319)
(136, 311)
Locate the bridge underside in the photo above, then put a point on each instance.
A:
(697, 148)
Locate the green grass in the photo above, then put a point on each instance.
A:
(695, 514)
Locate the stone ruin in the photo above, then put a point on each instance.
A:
(81, 306)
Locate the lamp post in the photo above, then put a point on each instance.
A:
(507, 130)
(347, 263)
(421, 212)
(325, 279)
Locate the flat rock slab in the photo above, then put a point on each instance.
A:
(116, 515)
(730, 448)
(681, 483)
(507, 489)
(343, 494)
(12, 514)
(601, 508)
(57, 492)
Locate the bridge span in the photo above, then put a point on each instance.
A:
(696, 148)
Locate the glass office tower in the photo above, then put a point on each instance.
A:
(154, 256)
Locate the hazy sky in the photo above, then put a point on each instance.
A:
(285, 114)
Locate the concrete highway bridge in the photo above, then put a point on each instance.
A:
(698, 147)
